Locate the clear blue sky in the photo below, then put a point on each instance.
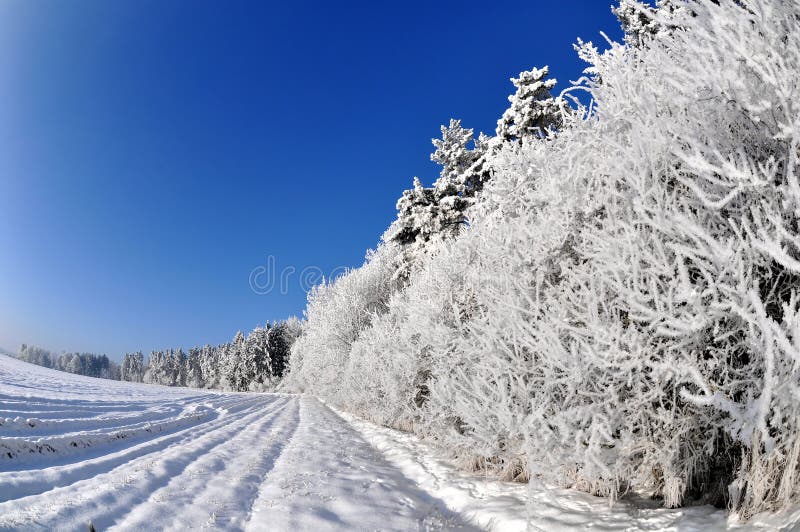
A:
(152, 153)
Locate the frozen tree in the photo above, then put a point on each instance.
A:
(459, 175)
(87, 364)
(415, 214)
(125, 372)
(534, 112)
(244, 364)
(428, 216)
(194, 370)
(418, 225)
(281, 342)
(280, 338)
(642, 22)
(154, 372)
(228, 367)
(256, 369)
(337, 313)
(132, 368)
(232, 369)
(210, 366)
(179, 367)
(37, 355)
(622, 311)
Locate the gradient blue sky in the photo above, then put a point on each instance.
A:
(152, 153)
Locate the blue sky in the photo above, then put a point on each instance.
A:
(153, 153)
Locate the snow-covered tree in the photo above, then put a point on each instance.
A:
(194, 370)
(418, 222)
(256, 369)
(337, 313)
(210, 366)
(179, 367)
(232, 359)
(37, 355)
(153, 369)
(132, 368)
(622, 311)
(427, 216)
(642, 22)
(534, 111)
(457, 152)
(282, 337)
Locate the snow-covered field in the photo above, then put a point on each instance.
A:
(75, 450)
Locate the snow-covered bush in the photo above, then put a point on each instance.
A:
(338, 312)
(712, 287)
(636, 325)
(389, 369)
(623, 310)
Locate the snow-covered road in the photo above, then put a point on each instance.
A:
(75, 450)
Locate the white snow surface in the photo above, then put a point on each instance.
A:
(501, 506)
(124, 456)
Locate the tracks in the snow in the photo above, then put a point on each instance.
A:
(128, 456)
(139, 460)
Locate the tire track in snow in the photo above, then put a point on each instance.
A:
(223, 484)
(107, 495)
(35, 480)
(262, 462)
(329, 478)
(111, 472)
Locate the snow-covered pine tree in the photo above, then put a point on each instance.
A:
(136, 367)
(414, 216)
(282, 338)
(125, 367)
(429, 215)
(179, 367)
(171, 368)
(258, 341)
(227, 367)
(641, 21)
(75, 365)
(37, 355)
(278, 346)
(232, 371)
(417, 223)
(154, 367)
(194, 371)
(534, 112)
(255, 359)
(457, 159)
(210, 366)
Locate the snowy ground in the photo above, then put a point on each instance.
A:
(502, 506)
(75, 450)
(138, 457)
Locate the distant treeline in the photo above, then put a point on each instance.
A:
(253, 362)
(87, 364)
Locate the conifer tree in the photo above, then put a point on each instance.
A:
(193, 371)
(641, 21)
(534, 112)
